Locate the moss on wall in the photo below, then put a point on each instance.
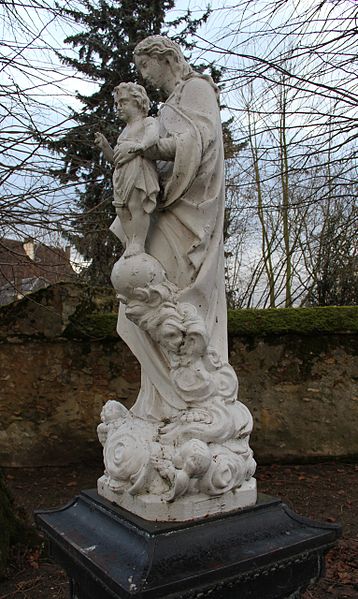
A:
(93, 326)
(303, 321)
(78, 311)
(297, 370)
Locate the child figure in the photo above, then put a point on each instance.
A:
(135, 179)
(112, 412)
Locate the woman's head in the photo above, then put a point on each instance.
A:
(164, 51)
(136, 93)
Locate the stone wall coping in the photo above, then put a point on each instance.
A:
(76, 311)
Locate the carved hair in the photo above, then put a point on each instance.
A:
(163, 47)
(137, 92)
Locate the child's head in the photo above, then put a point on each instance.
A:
(135, 93)
(111, 410)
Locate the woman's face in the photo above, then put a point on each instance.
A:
(152, 70)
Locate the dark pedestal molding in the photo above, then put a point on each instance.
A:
(262, 552)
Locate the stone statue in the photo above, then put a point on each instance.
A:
(135, 179)
(183, 450)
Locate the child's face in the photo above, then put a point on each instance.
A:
(127, 106)
(108, 412)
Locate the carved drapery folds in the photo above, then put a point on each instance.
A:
(182, 451)
(202, 449)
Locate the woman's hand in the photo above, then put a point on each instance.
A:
(136, 149)
(123, 153)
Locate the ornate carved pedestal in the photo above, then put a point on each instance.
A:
(262, 552)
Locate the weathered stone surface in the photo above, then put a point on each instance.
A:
(301, 389)
(52, 394)
(186, 439)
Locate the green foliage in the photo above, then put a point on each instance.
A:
(231, 147)
(303, 321)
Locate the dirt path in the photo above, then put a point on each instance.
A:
(327, 492)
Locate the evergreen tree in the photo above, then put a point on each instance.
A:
(111, 30)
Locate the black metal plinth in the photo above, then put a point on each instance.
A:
(263, 552)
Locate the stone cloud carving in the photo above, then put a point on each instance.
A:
(183, 450)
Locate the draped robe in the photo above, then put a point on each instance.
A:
(186, 233)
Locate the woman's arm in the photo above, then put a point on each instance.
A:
(164, 149)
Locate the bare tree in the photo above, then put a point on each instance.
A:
(291, 77)
(33, 88)
(290, 85)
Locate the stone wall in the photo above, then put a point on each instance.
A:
(60, 360)
(303, 394)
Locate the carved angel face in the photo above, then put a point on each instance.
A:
(195, 344)
(111, 411)
(170, 336)
(194, 457)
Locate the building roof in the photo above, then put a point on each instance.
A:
(28, 260)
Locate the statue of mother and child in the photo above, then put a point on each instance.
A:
(182, 451)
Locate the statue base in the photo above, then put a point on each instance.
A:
(152, 507)
(264, 551)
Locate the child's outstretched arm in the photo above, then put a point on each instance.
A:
(101, 141)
